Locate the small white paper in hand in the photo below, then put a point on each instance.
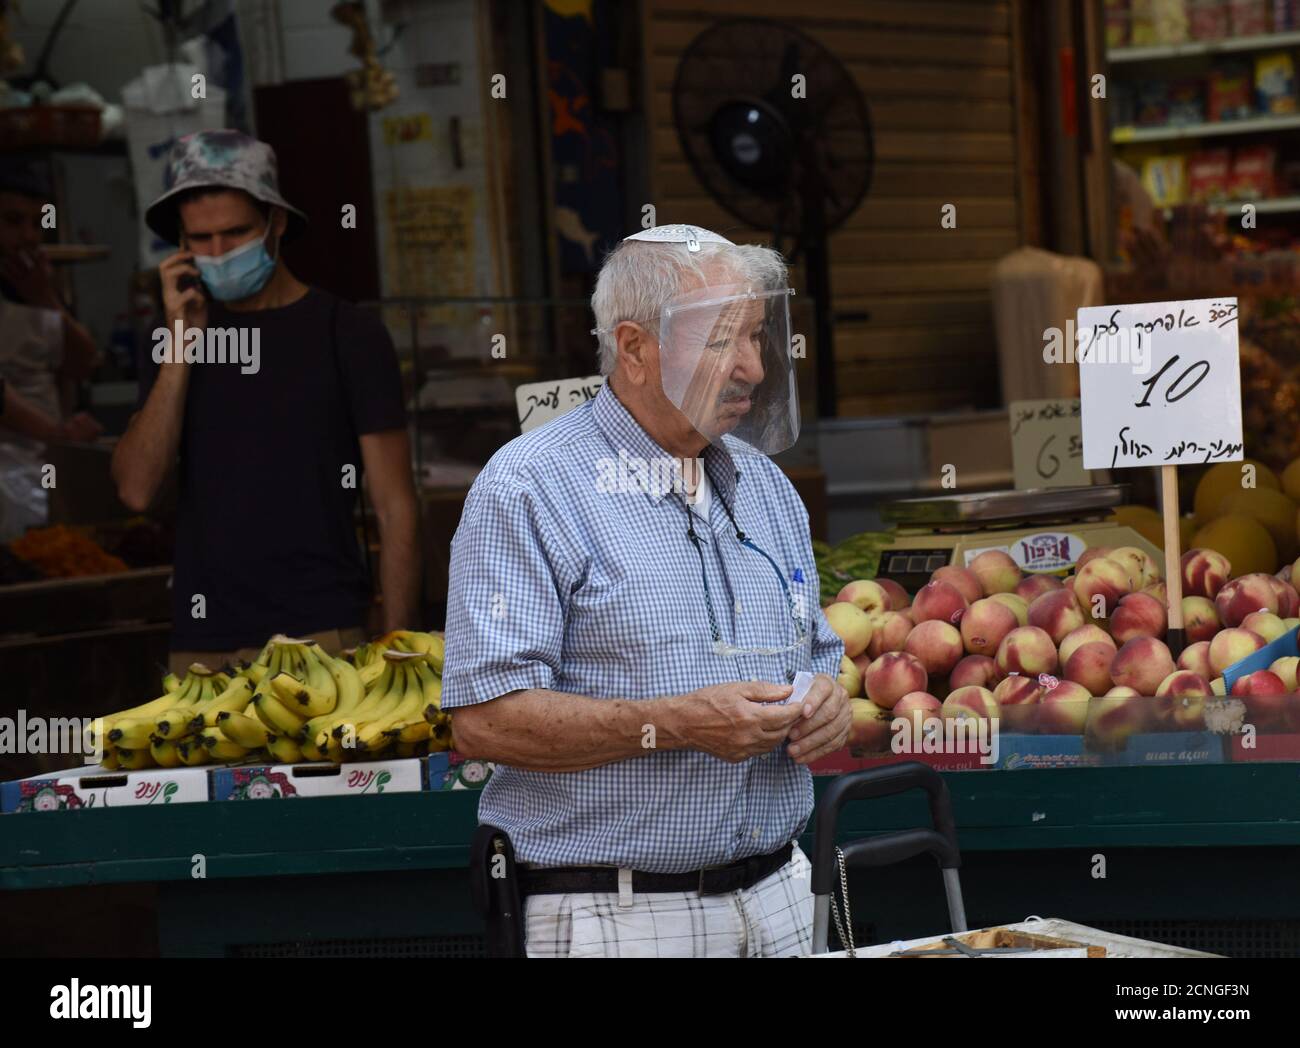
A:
(802, 682)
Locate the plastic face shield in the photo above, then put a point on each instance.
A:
(725, 363)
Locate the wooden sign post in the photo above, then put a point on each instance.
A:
(1160, 386)
(1176, 638)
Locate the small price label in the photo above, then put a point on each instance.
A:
(1047, 444)
(540, 402)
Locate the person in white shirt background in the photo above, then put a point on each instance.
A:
(44, 351)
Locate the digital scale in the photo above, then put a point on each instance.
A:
(1044, 530)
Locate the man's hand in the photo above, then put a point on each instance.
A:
(30, 274)
(737, 721)
(183, 299)
(825, 716)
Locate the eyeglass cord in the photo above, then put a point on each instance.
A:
(800, 630)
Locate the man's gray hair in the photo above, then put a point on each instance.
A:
(638, 278)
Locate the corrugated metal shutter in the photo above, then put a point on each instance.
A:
(938, 78)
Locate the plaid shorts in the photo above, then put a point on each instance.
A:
(771, 919)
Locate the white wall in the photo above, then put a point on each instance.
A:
(316, 46)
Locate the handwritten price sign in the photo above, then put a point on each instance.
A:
(1046, 444)
(1160, 384)
(540, 402)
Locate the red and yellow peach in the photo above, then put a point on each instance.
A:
(938, 601)
(963, 580)
(996, 571)
(1056, 614)
(892, 676)
(1205, 572)
(1027, 650)
(937, 644)
(1141, 664)
(852, 626)
(984, 625)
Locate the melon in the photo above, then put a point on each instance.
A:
(1242, 539)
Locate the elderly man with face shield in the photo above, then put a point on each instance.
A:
(634, 632)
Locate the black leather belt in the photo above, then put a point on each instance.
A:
(714, 880)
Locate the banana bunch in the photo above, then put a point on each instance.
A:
(299, 681)
(400, 708)
(130, 728)
(430, 644)
(174, 729)
(294, 702)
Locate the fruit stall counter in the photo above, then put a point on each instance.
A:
(1204, 856)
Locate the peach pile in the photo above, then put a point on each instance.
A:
(1085, 655)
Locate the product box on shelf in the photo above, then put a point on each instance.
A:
(1117, 23)
(1230, 93)
(1207, 19)
(1250, 17)
(451, 771)
(95, 787)
(250, 782)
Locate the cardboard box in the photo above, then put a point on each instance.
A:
(841, 762)
(450, 771)
(1266, 748)
(938, 761)
(847, 760)
(1017, 751)
(250, 782)
(1172, 747)
(97, 787)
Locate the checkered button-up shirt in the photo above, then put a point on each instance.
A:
(570, 573)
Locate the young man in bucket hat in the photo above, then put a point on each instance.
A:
(274, 397)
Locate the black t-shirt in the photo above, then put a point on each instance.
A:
(264, 522)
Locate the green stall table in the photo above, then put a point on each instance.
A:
(1205, 856)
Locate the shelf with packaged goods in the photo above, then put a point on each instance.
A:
(1193, 48)
(1123, 136)
(1268, 206)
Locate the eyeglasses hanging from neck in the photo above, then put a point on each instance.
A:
(721, 647)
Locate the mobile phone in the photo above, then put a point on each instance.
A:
(189, 280)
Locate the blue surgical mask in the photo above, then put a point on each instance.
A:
(237, 274)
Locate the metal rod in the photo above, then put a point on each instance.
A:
(821, 922)
(956, 907)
